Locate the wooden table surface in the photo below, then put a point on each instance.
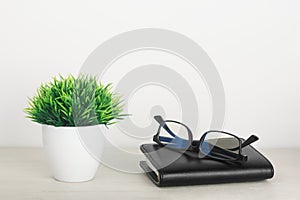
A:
(24, 174)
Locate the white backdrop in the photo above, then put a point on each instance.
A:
(254, 45)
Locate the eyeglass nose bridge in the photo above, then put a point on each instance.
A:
(194, 146)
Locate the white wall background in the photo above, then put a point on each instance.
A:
(254, 44)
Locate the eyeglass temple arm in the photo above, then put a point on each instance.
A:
(249, 141)
(165, 139)
(159, 119)
(217, 151)
(226, 154)
(161, 122)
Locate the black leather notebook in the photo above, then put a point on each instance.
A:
(166, 167)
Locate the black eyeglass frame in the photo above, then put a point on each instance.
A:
(195, 145)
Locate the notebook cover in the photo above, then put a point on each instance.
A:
(186, 170)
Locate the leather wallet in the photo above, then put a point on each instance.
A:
(190, 170)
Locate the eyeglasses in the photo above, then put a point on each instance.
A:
(214, 144)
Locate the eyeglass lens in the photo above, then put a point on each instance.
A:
(220, 145)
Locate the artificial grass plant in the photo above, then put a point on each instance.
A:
(70, 101)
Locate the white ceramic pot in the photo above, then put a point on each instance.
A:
(69, 157)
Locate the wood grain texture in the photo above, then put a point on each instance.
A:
(24, 175)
